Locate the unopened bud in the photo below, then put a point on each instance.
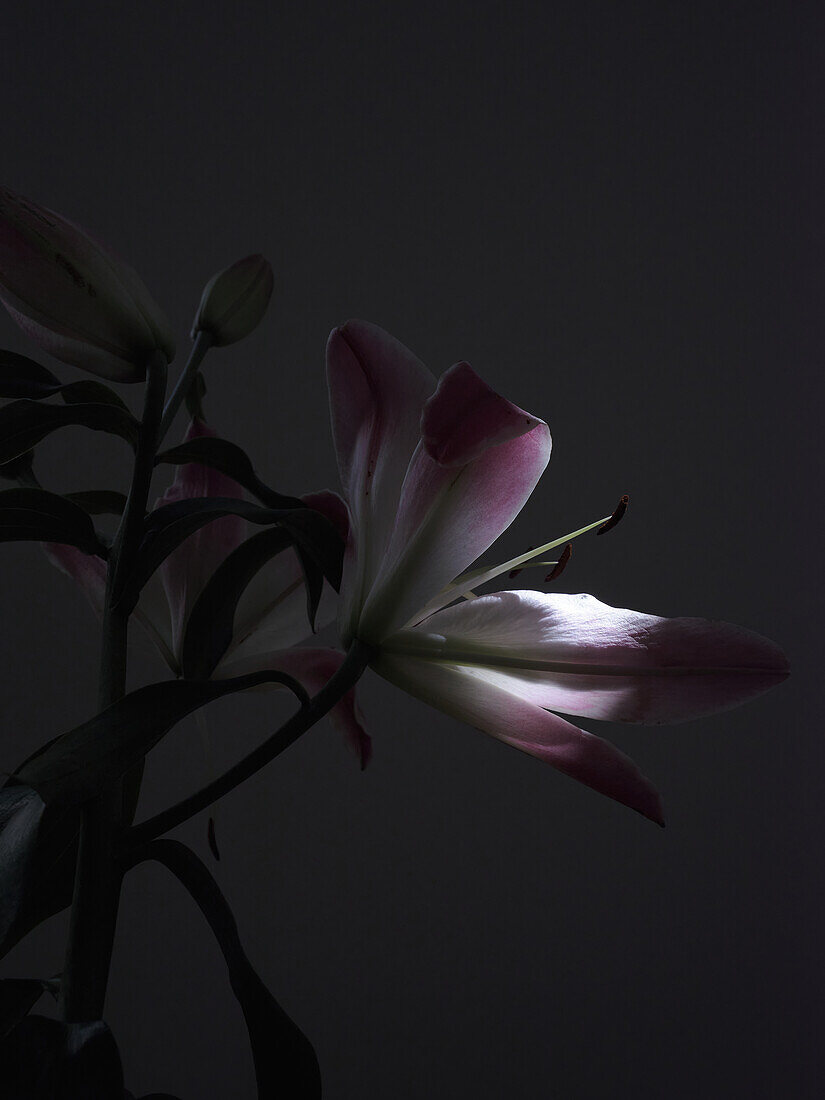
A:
(234, 301)
(72, 295)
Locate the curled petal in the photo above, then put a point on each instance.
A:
(467, 694)
(574, 654)
(312, 668)
(465, 416)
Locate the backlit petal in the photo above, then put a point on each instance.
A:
(574, 654)
(377, 390)
(466, 694)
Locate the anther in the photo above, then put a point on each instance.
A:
(515, 572)
(609, 524)
(558, 568)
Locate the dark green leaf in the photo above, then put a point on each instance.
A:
(49, 879)
(285, 1063)
(21, 813)
(231, 460)
(42, 1059)
(36, 515)
(18, 996)
(92, 393)
(81, 763)
(167, 527)
(25, 423)
(20, 467)
(210, 625)
(97, 502)
(22, 377)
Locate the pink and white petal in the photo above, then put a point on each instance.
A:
(448, 516)
(465, 416)
(89, 573)
(189, 567)
(312, 668)
(377, 391)
(87, 570)
(466, 694)
(154, 615)
(331, 505)
(577, 655)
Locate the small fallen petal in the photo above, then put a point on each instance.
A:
(560, 565)
(621, 508)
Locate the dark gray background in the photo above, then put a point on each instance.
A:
(614, 212)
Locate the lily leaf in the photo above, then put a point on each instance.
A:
(210, 625)
(168, 526)
(36, 515)
(22, 377)
(25, 423)
(285, 1063)
(231, 460)
(89, 391)
(21, 813)
(83, 762)
(42, 1059)
(18, 996)
(98, 502)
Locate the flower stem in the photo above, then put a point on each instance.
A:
(203, 342)
(358, 657)
(98, 876)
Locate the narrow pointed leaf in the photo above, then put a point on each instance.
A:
(231, 460)
(89, 758)
(43, 1059)
(25, 423)
(285, 1062)
(21, 813)
(167, 527)
(210, 626)
(36, 515)
(22, 377)
(88, 391)
(18, 996)
(98, 502)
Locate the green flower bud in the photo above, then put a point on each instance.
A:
(234, 301)
(73, 296)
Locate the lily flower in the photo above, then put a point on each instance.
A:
(433, 474)
(270, 619)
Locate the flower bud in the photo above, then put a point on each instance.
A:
(73, 296)
(234, 301)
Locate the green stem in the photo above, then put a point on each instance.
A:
(203, 342)
(354, 664)
(98, 876)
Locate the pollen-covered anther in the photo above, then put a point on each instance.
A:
(621, 508)
(559, 567)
